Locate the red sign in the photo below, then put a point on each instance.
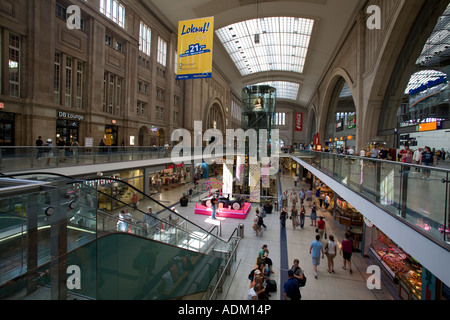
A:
(299, 122)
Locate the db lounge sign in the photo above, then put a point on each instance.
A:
(70, 116)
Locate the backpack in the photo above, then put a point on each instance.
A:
(260, 221)
(251, 275)
(302, 282)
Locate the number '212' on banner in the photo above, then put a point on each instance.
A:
(195, 48)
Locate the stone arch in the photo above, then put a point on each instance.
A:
(334, 101)
(400, 52)
(336, 76)
(162, 137)
(312, 125)
(214, 111)
(143, 137)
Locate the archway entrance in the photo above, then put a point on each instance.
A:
(340, 131)
(161, 137)
(143, 138)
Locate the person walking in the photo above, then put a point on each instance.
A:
(291, 288)
(313, 214)
(294, 215)
(309, 195)
(294, 198)
(283, 216)
(322, 228)
(315, 250)
(416, 157)
(49, 149)
(321, 199)
(302, 196)
(257, 226)
(135, 200)
(428, 159)
(330, 252)
(39, 144)
(327, 201)
(346, 251)
(298, 272)
(284, 199)
(302, 216)
(213, 207)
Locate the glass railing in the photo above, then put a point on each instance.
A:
(68, 221)
(405, 190)
(14, 159)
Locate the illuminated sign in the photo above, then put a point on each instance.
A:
(431, 126)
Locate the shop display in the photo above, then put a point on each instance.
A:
(347, 215)
(402, 267)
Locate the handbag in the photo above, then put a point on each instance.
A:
(317, 230)
(326, 236)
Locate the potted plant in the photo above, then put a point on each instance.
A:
(184, 200)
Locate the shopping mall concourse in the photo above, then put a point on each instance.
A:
(196, 149)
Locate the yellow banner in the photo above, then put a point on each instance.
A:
(195, 48)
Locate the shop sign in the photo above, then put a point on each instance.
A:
(67, 115)
(368, 223)
(299, 122)
(340, 126)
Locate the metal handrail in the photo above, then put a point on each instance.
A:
(354, 157)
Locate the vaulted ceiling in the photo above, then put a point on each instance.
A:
(298, 39)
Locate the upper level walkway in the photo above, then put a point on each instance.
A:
(412, 211)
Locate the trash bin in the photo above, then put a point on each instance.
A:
(241, 230)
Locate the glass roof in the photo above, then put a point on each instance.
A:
(439, 40)
(422, 78)
(283, 44)
(285, 90)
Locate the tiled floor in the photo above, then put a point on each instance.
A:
(338, 286)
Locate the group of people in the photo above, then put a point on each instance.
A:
(424, 157)
(63, 148)
(297, 215)
(261, 284)
(149, 222)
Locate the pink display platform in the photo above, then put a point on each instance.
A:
(225, 212)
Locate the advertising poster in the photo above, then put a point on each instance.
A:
(299, 122)
(195, 48)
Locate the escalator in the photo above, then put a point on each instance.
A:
(46, 234)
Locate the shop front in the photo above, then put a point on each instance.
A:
(113, 194)
(171, 177)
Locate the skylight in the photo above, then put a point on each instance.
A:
(439, 39)
(283, 44)
(285, 90)
(424, 78)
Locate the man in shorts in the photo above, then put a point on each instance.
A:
(315, 249)
(427, 158)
